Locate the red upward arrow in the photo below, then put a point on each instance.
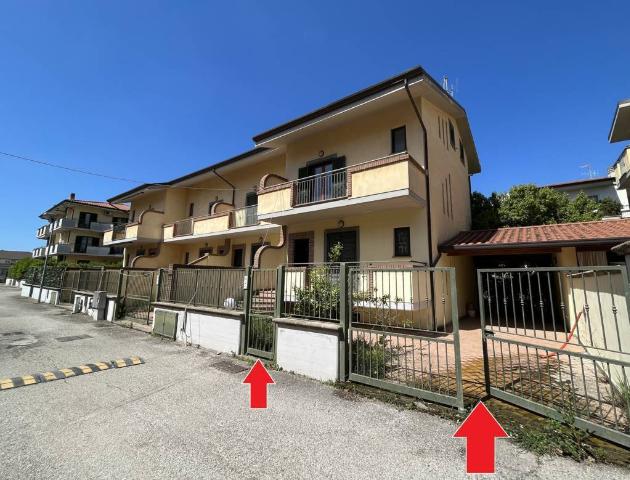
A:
(258, 378)
(480, 429)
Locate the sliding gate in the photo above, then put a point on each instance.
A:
(556, 341)
(403, 331)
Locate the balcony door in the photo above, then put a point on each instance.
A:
(349, 240)
(81, 243)
(86, 218)
(323, 180)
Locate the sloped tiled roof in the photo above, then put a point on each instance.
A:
(556, 235)
(115, 206)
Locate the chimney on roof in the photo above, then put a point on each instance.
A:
(72, 196)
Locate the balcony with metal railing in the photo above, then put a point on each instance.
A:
(44, 232)
(394, 181)
(226, 223)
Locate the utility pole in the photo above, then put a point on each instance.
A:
(41, 282)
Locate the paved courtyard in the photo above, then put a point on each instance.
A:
(184, 414)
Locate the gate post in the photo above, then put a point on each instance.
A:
(484, 343)
(456, 345)
(247, 288)
(150, 298)
(345, 309)
(119, 291)
(99, 287)
(279, 310)
(158, 291)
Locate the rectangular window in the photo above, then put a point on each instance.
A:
(450, 196)
(191, 209)
(402, 242)
(186, 258)
(399, 139)
(461, 152)
(451, 134)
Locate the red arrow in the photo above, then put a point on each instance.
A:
(480, 429)
(258, 378)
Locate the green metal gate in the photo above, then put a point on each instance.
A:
(136, 294)
(262, 297)
(556, 341)
(403, 330)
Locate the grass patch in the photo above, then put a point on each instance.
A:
(539, 435)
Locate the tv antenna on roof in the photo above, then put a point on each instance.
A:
(588, 170)
(448, 87)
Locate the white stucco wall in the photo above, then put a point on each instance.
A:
(213, 331)
(307, 352)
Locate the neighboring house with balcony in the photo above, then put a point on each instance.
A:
(74, 232)
(384, 171)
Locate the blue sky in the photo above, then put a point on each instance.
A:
(151, 89)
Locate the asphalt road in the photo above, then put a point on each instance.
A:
(179, 416)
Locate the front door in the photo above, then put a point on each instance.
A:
(238, 257)
(301, 251)
(349, 240)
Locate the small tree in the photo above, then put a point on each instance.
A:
(581, 209)
(609, 208)
(530, 205)
(18, 270)
(485, 211)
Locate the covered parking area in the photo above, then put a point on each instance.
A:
(541, 303)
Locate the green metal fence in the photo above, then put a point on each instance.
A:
(557, 341)
(203, 286)
(403, 331)
(260, 310)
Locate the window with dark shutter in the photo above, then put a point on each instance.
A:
(402, 242)
(451, 134)
(191, 209)
(461, 152)
(399, 139)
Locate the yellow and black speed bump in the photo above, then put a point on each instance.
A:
(62, 373)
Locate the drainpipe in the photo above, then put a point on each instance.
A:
(426, 170)
(428, 189)
(225, 180)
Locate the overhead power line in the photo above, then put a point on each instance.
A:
(110, 177)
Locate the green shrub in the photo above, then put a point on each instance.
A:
(321, 297)
(19, 268)
(373, 359)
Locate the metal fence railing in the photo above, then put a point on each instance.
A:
(320, 188)
(244, 217)
(311, 291)
(404, 331)
(261, 310)
(183, 227)
(204, 286)
(557, 341)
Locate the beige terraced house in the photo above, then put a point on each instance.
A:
(74, 232)
(384, 172)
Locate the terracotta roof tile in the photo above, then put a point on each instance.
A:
(566, 234)
(94, 203)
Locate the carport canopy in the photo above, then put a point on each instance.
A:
(596, 235)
